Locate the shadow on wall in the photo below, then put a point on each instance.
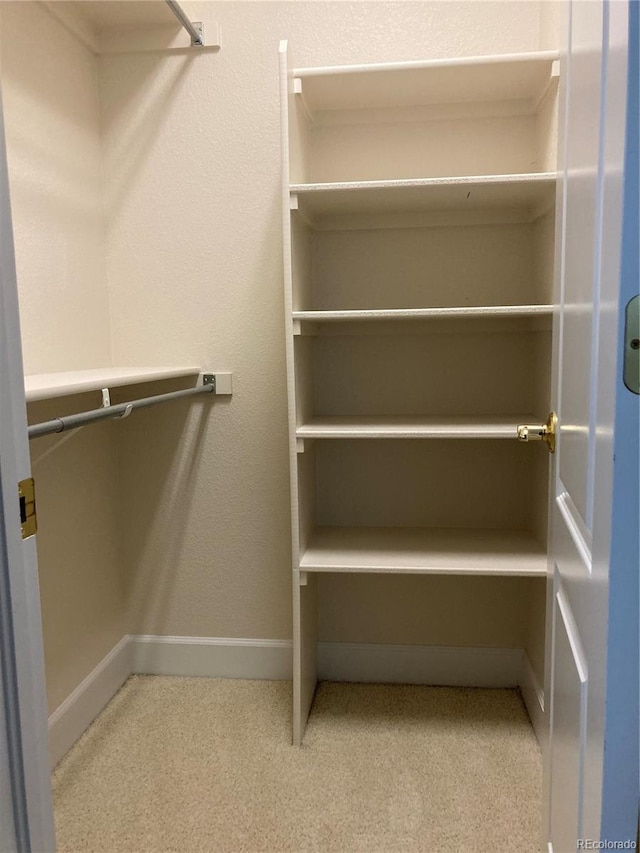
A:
(151, 82)
(157, 487)
(79, 557)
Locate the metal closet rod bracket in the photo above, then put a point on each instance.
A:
(194, 28)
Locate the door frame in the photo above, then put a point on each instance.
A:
(21, 649)
(620, 782)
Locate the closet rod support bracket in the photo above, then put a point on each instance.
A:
(221, 383)
(193, 28)
(199, 40)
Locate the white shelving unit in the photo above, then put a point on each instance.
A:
(418, 205)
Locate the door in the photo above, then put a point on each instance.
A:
(26, 816)
(587, 379)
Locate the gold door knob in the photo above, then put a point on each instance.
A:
(540, 432)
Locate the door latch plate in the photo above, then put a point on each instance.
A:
(27, 498)
(631, 361)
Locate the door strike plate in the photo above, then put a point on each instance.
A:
(631, 361)
(540, 432)
(27, 498)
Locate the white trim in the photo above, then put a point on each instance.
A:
(576, 526)
(533, 697)
(81, 707)
(231, 657)
(403, 664)
(455, 62)
(214, 657)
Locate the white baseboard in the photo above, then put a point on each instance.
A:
(81, 707)
(219, 657)
(438, 665)
(214, 657)
(533, 696)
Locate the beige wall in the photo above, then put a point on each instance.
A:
(52, 114)
(80, 565)
(191, 162)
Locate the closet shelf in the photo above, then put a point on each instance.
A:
(115, 15)
(407, 426)
(115, 26)
(533, 193)
(43, 386)
(507, 77)
(411, 550)
(356, 315)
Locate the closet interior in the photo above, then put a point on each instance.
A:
(418, 250)
(418, 217)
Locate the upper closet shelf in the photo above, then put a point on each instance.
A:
(533, 193)
(43, 386)
(509, 77)
(116, 15)
(116, 26)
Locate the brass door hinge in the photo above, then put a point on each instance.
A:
(27, 498)
(540, 432)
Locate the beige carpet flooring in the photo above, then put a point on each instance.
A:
(195, 764)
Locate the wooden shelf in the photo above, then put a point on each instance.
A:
(116, 15)
(126, 26)
(531, 193)
(507, 77)
(43, 386)
(357, 315)
(410, 550)
(405, 426)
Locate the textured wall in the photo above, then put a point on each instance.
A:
(54, 149)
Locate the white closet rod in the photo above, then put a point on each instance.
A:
(193, 30)
(120, 410)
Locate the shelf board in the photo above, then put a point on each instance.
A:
(126, 26)
(115, 15)
(507, 77)
(406, 426)
(43, 386)
(533, 193)
(410, 550)
(357, 315)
